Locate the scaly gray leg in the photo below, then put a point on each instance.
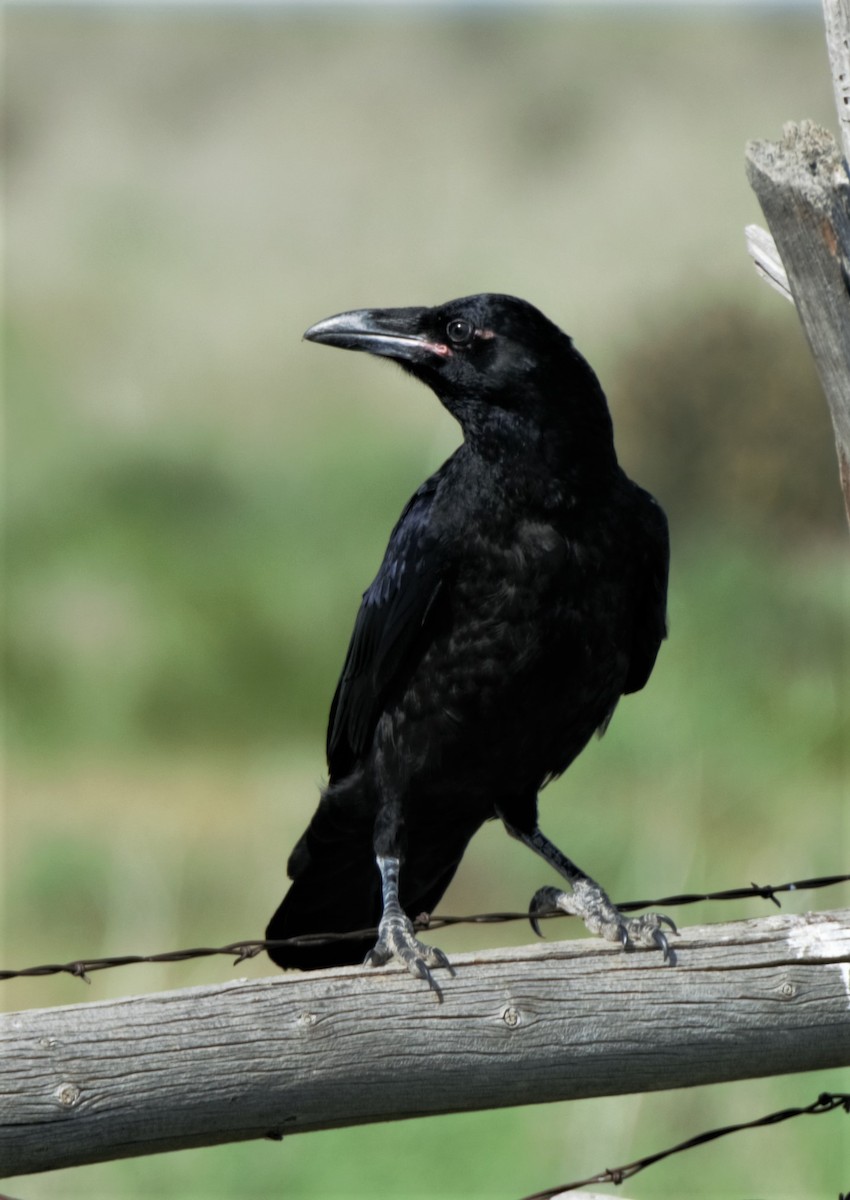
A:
(396, 938)
(587, 900)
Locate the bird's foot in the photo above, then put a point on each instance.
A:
(396, 940)
(588, 901)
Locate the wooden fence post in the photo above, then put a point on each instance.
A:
(803, 187)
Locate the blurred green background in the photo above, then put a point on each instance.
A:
(196, 499)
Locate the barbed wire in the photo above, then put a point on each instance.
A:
(250, 948)
(826, 1102)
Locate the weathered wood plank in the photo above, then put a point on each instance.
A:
(303, 1052)
(802, 185)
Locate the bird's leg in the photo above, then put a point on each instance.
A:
(396, 938)
(586, 899)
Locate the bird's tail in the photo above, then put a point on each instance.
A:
(335, 886)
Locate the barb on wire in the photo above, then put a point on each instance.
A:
(826, 1102)
(82, 968)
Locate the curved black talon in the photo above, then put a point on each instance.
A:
(439, 959)
(401, 946)
(443, 961)
(663, 945)
(378, 956)
(533, 922)
(421, 971)
(544, 900)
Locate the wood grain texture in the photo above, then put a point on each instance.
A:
(294, 1053)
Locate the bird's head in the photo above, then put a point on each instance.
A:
(498, 364)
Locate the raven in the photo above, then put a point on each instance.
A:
(522, 593)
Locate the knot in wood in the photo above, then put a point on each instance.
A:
(67, 1094)
(511, 1017)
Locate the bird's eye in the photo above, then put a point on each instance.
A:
(460, 331)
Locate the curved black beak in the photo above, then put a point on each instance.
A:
(392, 332)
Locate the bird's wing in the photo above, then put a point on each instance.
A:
(390, 630)
(650, 625)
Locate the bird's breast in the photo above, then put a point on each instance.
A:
(511, 578)
(529, 659)
(507, 603)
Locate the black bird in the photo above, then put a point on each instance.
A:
(522, 593)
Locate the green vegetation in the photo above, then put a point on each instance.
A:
(195, 500)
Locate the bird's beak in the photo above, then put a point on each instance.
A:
(391, 332)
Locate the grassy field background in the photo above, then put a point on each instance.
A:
(196, 499)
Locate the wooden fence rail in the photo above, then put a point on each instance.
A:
(553, 1021)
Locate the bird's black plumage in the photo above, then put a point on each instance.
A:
(522, 593)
